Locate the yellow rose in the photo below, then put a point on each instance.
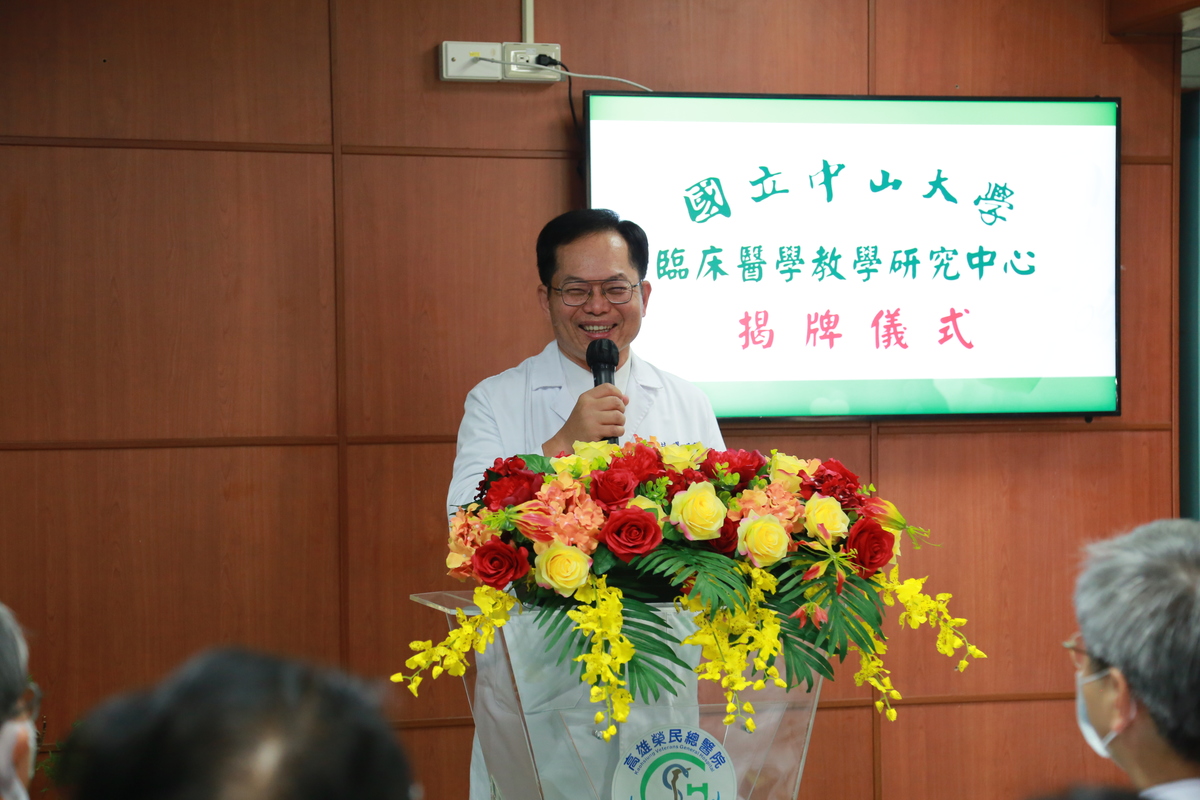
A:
(785, 470)
(562, 568)
(683, 456)
(647, 504)
(598, 454)
(571, 465)
(762, 539)
(828, 512)
(698, 512)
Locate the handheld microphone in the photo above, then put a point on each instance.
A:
(602, 357)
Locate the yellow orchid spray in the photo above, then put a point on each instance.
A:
(472, 633)
(599, 618)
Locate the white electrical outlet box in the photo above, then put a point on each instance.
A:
(461, 61)
(522, 53)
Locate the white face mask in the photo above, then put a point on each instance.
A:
(12, 785)
(1090, 735)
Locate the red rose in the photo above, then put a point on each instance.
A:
(503, 467)
(518, 487)
(726, 543)
(833, 479)
(745, 464)
(631, 532)
(614, 487)
(644, 461)
(500, 468)
(872, 545)
(682, 480)
(497, 564)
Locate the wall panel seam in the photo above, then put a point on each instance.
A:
(164, 144)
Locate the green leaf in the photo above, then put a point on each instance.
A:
(801, 659)
(648, 679)
(655, 490)
(535, 462)
(603, 560)
(717, 581)
(671, 533)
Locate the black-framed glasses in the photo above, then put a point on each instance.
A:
(576, 293)
(30, 702)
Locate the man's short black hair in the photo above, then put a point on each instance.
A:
(574, 225)
(232, 723)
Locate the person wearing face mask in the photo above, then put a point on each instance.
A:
(19, 699)
(1137, 656)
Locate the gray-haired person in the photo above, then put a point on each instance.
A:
(1137, 656)
(18, 709)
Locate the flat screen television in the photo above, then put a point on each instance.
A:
(872, 256)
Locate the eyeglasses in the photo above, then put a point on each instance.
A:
(1080, 656)
(576, 293)
(30, 702)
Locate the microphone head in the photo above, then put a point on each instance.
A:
(602, 353)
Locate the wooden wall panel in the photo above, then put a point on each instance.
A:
(389, 58)
(222, 70)
(1148, 352)
(397, 543)
(840, 756)
(165, 294)
(1146, 16)
(1006, 751)
(1028, 48)
(1012, 511)
(440, 284)
(122, 563)
(440, 760)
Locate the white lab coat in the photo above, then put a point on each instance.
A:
(518, 410)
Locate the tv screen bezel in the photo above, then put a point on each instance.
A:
(945, 416)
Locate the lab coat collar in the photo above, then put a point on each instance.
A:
(548, 374)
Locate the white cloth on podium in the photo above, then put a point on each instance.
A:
(566, 760)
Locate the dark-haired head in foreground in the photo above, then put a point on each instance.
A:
(1093, 793)
(235, 725)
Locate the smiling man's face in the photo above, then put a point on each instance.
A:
(597, 257)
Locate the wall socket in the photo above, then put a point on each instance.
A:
(460, 61)
(526, 53)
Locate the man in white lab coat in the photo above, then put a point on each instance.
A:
(592, 267)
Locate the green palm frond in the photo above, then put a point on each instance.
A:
(716, 579)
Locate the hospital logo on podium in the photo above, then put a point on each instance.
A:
(675, 763)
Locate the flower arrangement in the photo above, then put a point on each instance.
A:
(774, 557)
